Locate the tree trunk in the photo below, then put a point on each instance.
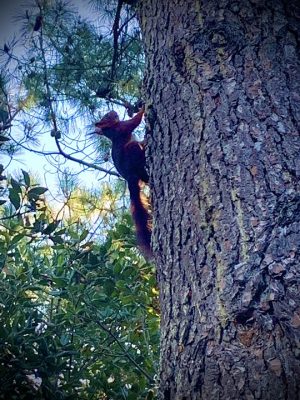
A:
(222, 90)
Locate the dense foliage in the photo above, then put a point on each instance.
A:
(78, 317)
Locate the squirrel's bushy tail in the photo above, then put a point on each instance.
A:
(141, 216)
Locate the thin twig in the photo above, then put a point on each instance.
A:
(87, 164)
(125, 352)
(116, 34)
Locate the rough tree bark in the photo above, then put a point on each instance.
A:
(222, 91)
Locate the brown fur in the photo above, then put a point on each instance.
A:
(129, 159)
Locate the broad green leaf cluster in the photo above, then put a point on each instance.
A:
(78, 318)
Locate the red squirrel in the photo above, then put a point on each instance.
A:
(129, 159)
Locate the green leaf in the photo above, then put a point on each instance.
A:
(4, 138)
(14, 198)
(3, 332)
(3, 115)
(60, 283)
(74, 234)
(26, 177)
(57, 239)
(61, 231)
(64, 339)
(16, 185)
(126, 300)
(51, 227)
(16, 238)
(34, 193)
(84, 234)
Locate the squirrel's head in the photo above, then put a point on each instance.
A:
(108, 121)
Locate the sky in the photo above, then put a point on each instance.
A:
(38, 164)
(10, 8)
(7, 11)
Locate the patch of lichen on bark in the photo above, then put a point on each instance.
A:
(221, 309)
(220, 266)
(240, 223)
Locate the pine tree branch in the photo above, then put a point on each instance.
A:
(53, 116)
